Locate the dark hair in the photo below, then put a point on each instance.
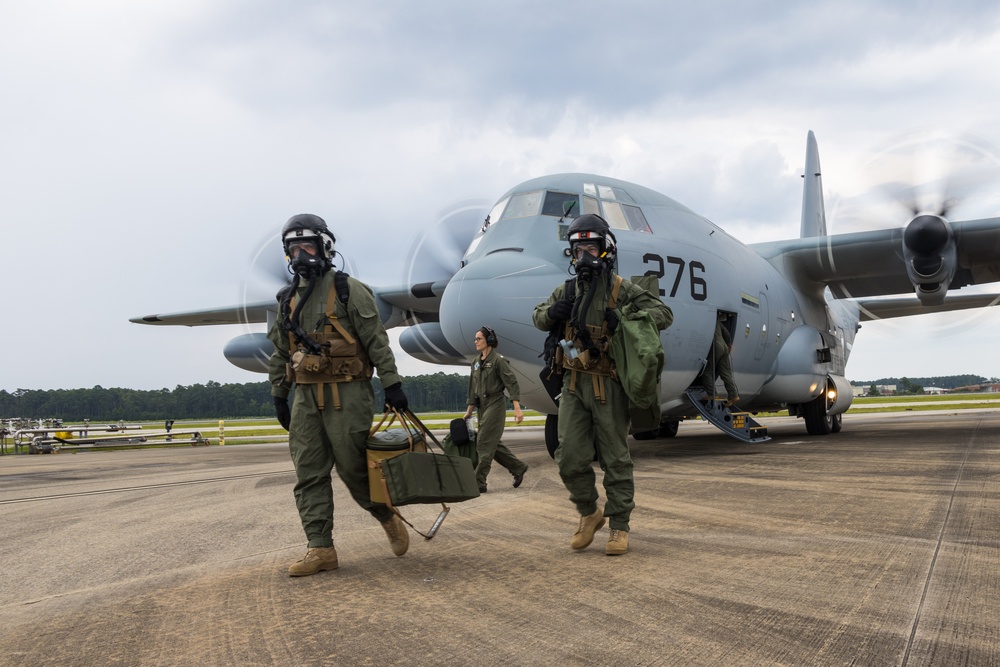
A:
(490, 335)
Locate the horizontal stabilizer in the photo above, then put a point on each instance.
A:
(884, 309)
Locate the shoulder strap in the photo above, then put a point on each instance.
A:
(613, 300)
(569, 291)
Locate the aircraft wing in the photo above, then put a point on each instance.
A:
(246, 314)
(867, 264)
(403, 304)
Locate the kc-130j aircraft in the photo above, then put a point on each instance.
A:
(793, 307)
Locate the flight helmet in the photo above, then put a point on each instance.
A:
(310, 229)
(592, 228)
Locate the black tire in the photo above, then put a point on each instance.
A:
(552, 434)
(668, 429)
(837, 423)
(814, 413)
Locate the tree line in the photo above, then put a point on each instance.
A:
(426, 393)
(916, 385)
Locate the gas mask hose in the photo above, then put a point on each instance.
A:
(293, 325)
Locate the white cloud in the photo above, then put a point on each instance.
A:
(149, 147)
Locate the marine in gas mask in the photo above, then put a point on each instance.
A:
(328, 341)
(593, 408)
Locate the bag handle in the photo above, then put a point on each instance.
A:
(378, 427)
(408, 414)
(392, 414)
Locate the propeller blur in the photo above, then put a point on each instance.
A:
(794, 306)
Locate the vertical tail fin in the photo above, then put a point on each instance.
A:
(813, 212)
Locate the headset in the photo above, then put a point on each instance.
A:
(491, 336)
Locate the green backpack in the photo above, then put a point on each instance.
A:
(638, 353)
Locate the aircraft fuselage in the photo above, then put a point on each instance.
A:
(786, 339)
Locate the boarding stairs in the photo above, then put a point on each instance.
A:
(727, 418)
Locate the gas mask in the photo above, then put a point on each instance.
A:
(307, 264)
(588, 266)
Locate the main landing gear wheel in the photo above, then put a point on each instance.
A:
(668, 429)
(836, 424)
(818, 422)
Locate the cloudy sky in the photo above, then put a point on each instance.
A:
(148, 149)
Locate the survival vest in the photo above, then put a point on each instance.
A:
(342, 357)
(592, 356)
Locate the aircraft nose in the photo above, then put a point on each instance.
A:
(500, 290)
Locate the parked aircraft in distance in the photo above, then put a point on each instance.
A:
(793, 307)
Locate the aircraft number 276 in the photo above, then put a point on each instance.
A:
(699, 288)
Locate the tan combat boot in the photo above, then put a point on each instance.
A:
(316, 559)
(617, 543)
(399, 538)
(589, 525)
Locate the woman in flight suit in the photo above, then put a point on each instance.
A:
(491, 374)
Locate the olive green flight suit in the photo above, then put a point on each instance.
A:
(719, 362)
(586, 425)
(319, 439)
(487, 382)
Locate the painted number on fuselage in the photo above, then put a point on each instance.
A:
(699, 288)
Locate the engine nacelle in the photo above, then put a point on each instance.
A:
(426, 342)
(839, 394)
(251, 352)
(931, 257)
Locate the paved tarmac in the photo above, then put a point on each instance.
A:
(875, 546)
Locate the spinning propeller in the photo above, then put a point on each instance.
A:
(930, 175)
(436, 256)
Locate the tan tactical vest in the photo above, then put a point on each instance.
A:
(600, 367)
(342, 359)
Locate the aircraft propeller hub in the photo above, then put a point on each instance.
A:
(927, 234)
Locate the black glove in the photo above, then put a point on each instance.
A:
(561, 310)
(611, 317)
(282, 411)
(395, 397)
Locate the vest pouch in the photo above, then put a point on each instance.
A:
(309, 363)
(346, 359)
(338, 347)
(352, 366)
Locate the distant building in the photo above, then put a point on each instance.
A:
(883, 389)
(935, 390)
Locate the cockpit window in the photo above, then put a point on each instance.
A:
(495, 213)
(636, 220)
(614, 215)
(561, 205)
(623, 196)
(523, 206)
